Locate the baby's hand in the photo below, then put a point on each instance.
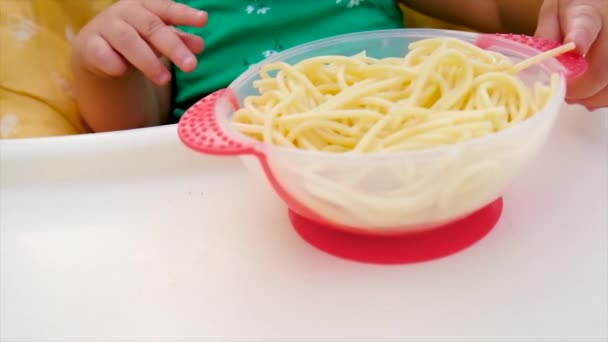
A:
(134, 34)
(584, 22)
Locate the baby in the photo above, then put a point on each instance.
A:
(140, 62)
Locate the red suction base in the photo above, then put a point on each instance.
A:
(400, 249)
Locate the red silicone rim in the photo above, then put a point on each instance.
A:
(401, 249)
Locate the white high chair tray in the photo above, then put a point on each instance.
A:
(131, 237)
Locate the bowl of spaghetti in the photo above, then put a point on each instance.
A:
(386, 132)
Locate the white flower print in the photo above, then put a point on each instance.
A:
(69, 33)
(351, 3)
(257, 9)
(64, 85)
(263, 10)
(23, 29)
(8, 122)
(269, 53)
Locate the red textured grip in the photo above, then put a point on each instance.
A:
(573, 61)
(199, 129)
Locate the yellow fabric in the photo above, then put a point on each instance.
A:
(417, 19)
(35, 94)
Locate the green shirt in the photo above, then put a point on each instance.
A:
(244, 32)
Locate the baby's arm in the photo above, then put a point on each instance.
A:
(110, 103)
(513, 16)
(120, 81)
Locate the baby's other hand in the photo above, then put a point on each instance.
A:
(584, 22)
(134, 34)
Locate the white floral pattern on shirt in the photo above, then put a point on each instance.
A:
(350, 3)
(257, 7)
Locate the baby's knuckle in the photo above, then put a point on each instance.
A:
(92, 50)
(586, 9)
(122, 6)
(153, 25)
(158, 6)
(94, 54)
(123, 35)
(172, 42)
(128, 2)
(169, 7)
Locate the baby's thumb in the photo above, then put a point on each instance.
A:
(548, 26)
(582, 24)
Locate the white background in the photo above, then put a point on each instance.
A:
(131, 237)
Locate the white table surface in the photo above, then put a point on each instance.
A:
(131, 237)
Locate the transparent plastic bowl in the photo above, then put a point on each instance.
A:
(379, 193)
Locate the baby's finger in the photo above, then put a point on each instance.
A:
(126, 41)
(195, 43)
(582, 23)
(162, 38)
(596, 77)
(599, 100)
(174, 13)
(102, 59)
(548, 21)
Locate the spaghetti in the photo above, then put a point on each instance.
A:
(442, 92)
